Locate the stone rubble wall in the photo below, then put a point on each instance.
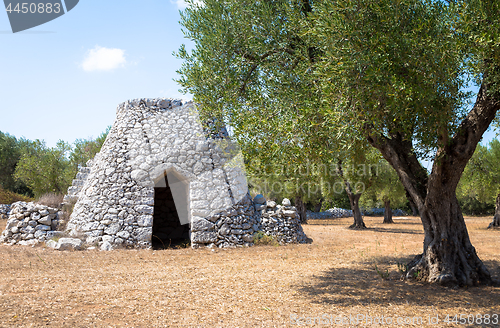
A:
(4, 211)
(236, 227)
(280, 221)
(332, 213)
(77, 184)
(30, 223)
(335, 213)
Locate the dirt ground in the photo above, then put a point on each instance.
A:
(341, 279)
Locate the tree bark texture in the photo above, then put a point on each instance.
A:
(387, 212)
(353, 200)
(448, 256)
(301, 209)
(496, 218)
(356, 212)
(414, 211)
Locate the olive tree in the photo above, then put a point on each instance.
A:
(312, 78)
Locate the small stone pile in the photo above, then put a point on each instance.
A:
(279, 221)
(4, 211)
(30, 223)
(237, 226)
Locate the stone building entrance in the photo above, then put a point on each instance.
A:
(171, 212)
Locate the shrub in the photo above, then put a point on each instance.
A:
(9, 197)
(50, 199)
(260, 238)
(472, 206)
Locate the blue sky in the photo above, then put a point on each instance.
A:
(65, 78)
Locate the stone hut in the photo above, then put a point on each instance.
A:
(162, 178)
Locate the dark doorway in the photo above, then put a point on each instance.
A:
(167, 228)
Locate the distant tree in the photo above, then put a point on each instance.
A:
(44, 169)
(358, 171)
(10, 153)
(86, 149)
(481, 178)
(386, 190)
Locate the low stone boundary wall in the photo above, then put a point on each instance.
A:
(335, 213)
(236, 227)
(30, 223)
(4, 211)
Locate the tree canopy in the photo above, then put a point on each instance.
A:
(319, 80)
(31, 168)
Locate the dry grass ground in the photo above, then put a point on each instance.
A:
(255, 287)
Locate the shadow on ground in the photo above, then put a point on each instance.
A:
(363, 284)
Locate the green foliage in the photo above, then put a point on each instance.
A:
(86, 149)
(32, 168)
(386, 186)
(44, 169)
(480, 182)
(50, 170)
(473, 206)
(308, 83)
(477, 23)
(382, 274)
(260, 238)
(246, 71)
(390, 66)
(10, 153)
(340, 200)
(9, 197)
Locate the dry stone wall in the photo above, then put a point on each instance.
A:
(77, 184)
(30, 223)
(279, 221)
(4, 211)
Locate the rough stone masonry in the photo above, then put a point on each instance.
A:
(161, 175)
(30, 223)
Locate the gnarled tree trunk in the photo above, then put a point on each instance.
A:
(356, 212)
(387, 212)
(448, 256)
(414, 211)
(353, 200)
(301, 209)
(496, 218)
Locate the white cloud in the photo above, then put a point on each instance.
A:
(103, 59)
(181, 4)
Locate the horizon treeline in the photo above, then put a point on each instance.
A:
(31, 168)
